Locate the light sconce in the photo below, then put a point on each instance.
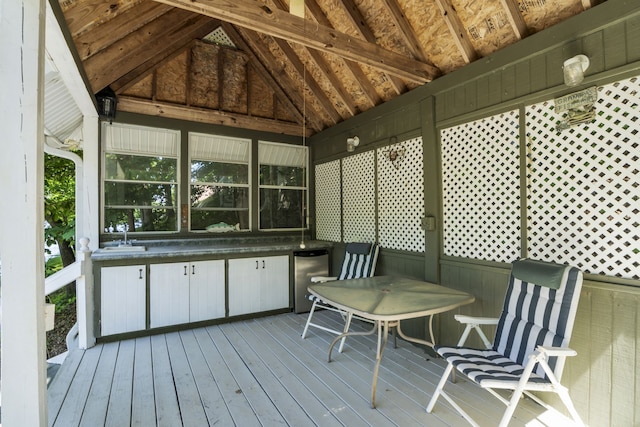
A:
(107, 104)
(395, 153)
(352, 143)
(574, 68)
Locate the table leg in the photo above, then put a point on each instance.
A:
(383, 333)
(418, 340)
(348, 334)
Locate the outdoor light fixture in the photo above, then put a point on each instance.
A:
(107, 103)
(574, 69)
(352, 143)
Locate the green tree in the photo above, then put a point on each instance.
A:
(60, 205)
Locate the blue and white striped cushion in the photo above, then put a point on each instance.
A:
(537, 315)
(486, 367)
(358, 265)
(532, 315)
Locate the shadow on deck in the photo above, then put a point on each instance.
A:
(260, 372)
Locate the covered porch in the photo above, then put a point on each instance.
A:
(260, 372)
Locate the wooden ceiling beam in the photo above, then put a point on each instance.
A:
(309, 81)
(365, 31)
(172, 48)
(515, 18)
(146, 47)
(458, 31)
(203, 115)
(279, 93)
(277, 23)
(278, 73)
(358, 75)
(406, 31)
(323, 68)
(83, 15)
(100, 37)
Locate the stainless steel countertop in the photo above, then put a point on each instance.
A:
(182, 248)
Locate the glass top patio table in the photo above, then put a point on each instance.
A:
(387, 300)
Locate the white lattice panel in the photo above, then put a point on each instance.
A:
(401, 198)
(481, 188)
(328, 205)
(583, 204)
(359, 198)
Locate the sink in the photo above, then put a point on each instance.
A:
(124, 248)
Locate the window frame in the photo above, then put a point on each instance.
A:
(105, 150)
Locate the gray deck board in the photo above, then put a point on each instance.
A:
(259, 372)
(143, 409)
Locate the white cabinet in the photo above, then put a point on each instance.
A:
(186, 292)
(258, 284)
(122, 299)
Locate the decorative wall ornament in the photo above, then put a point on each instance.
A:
(395, 152)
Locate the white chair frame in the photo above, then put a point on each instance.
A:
(540, 357)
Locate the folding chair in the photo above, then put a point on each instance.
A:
(530, 345)
(359, 261)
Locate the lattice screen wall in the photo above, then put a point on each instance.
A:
(584, 199)
(401, 198)
(328, 201)
(359, 198)
(397, 193)
(481, 188)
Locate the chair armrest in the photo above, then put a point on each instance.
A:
(476, 320)
(557, 351)
(322, 279)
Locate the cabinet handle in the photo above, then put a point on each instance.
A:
(193, 269)
(185, 270)
(262, 263)
(256, 264)
(140, 271)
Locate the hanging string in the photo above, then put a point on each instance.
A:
(303, 216)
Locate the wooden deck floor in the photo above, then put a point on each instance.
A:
(261, 373)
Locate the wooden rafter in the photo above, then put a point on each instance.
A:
(367, 88)
(101, 36)
(155, 40)
(172, 47)
(82, 16)
(310, 82)
(515, 18)
(457, 30)
(323, 68)
(365, 31)
(275, 69)
(278, 92)
(406, 31)
(280, 24)
(205, 115)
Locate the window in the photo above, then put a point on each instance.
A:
(140, 178)
(220, 182)
(283, 186)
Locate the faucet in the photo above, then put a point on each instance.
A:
(125, 228)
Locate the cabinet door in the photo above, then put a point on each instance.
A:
(168, 294)
(122, 299)
(206, 290)
(244, 285)
(274, 287)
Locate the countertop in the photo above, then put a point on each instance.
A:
(187, 247)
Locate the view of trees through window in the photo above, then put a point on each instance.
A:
(282, 193)
(219, 195)
(140, 192)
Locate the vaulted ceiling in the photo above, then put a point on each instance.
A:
(257, 64)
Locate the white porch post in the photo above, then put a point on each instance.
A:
(22, 25)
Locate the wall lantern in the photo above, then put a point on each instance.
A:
(352, 143)
(574, 69)
(107, 103)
